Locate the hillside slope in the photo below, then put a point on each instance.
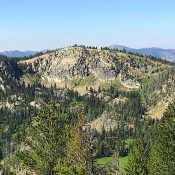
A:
(77, 67)
(117, 91)
(82, 68)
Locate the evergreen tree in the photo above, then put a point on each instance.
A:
(45, 142)
(162, 155)
(136, 163)
(82, 147)
(75, 161)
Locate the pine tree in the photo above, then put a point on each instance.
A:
(45, 142)
(75, 161)
(81, 151)
(136, 163)
(162, 155)
(82, 147)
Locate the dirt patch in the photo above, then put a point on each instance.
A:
(157, 111)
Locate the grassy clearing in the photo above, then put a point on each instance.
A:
(115, 83)
(106, 160)
(90, 80)
(123, 163)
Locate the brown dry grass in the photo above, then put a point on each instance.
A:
(157, 111)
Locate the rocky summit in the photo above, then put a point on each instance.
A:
(85, 67)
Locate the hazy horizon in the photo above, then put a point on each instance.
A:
(88, 46)
(39, 25)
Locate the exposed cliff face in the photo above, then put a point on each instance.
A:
(80, 68)
(77, 63)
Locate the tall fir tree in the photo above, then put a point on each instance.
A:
(45, 142)
(162, 154)
(136, 163)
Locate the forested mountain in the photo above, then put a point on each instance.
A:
(17, 53)
(102, 100)
(168, 54)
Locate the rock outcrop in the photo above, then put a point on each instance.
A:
(77, 63)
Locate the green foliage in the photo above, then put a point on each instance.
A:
(162, 155)
(46, 149)
(104, 149)
(106, 161)
(55, 146)
(66, 167)
(136, 163)
(154, 154)
(45, 141)
(154, 88)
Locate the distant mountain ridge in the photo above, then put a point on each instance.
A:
(17, 53)
(168, 54)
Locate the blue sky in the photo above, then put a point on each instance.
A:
(50, 24)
